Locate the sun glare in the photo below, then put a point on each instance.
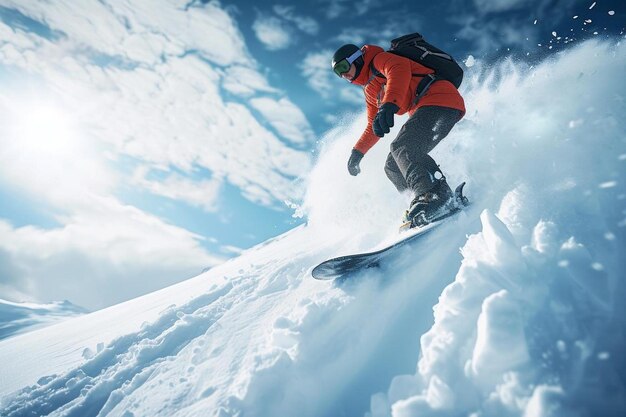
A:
(43, 149)
(43, 128)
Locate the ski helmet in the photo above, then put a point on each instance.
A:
(344, 57)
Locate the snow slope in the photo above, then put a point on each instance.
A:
(16, 318)
(528, 316)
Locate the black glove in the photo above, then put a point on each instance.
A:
(354, 161)
(384, 119)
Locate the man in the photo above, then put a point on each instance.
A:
(390, 83)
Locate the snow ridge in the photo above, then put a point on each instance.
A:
(101, 382)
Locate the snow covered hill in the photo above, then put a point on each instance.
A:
(16, 318)
(526, 319)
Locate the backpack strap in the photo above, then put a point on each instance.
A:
(374, 72)
(427, 52)
(422, 86)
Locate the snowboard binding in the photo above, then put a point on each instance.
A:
(420, 219)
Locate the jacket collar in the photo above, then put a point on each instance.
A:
(369, 52)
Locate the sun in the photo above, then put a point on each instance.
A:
(43, 128)
(45, 151)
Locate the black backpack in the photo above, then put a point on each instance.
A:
(414, 47)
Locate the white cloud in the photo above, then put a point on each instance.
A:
(245, 151)
(286, 118)
(490, 35)
(232, 250)
(202, 193)
(487, 6)
(337, 8)
(143, 31)
(316, 67)
(304, 23)
(496, 31)
(245, 81)
(352, 35)
(106, 252)
(319, 76)
(362, 7)
(393, 27)
(352, 95)
(272, 32)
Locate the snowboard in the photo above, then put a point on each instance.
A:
(345, 265)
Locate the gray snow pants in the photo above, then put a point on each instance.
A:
(408, 165)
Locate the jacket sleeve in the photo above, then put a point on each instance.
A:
(397, 71)
(368, 138)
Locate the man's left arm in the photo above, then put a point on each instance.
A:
(397, 71)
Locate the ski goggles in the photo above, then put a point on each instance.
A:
(344, 65)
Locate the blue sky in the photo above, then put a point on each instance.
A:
(144, 141)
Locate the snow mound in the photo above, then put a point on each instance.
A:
(528, 316)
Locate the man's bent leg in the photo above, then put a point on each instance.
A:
(394, 174)
(419, 135)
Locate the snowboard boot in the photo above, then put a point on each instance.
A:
(429, 205)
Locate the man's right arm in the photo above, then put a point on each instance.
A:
(368, 138)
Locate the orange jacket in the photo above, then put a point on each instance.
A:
(398, 87)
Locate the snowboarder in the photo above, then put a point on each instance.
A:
(397, 85)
